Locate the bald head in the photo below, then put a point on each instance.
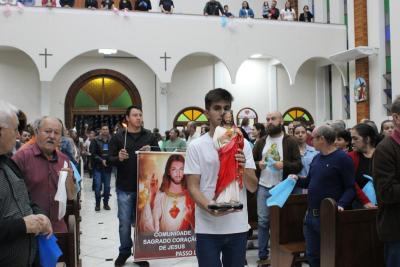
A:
(274, 123)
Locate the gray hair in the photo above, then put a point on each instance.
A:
(7, 112)
(38, 123)
(327, 132)
(338, 125)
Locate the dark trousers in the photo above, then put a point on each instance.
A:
(232, 246)
(392, 254)
(102, 177)
(313, 239)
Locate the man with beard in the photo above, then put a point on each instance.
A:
(276, 156)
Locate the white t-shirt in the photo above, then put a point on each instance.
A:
(202, 159)
(273, 149)
(193, 137)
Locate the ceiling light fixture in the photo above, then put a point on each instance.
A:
(107, 51)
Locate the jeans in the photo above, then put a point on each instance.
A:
(210, 246)
(312, 236)
(126, 216)
(392, 254)
(263, 221)
(102, 177)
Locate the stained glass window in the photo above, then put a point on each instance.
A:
(297, 114)
(190, 114)
(103, 91)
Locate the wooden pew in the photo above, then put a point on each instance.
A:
(349, 238)
(287, 239)
(68, 244)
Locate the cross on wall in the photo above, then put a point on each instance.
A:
(165, 57)
(45, 54)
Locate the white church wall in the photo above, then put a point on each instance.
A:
(186, 35)
(377, 64)
(192, 79)
(251, 88)
(302, 93)
(134, 69)
(20, 82)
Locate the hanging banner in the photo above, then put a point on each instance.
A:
(164, 210)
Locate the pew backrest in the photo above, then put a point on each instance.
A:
(349, 238)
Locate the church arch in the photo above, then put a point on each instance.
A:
(262, 56)
(218, 59)
(248, 113)
(322, 61)
(101, 93)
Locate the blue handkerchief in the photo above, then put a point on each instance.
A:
(77, 176)
(369, 190)
(49, 251)
(281, 192)
(270, 164)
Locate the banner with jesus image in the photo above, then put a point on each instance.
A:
(164, 210)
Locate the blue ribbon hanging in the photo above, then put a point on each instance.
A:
(369, 190)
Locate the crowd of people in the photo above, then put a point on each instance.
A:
(268, 9)
(326, 161)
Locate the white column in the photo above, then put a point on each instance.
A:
(336, 11)
(322, 96)
(321, 11)
(272, 89)
(377, 63)
(45, 88)
(352, 64)
(161, 106)
(338, 112)
(395, 44)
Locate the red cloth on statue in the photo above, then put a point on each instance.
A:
(229, 168)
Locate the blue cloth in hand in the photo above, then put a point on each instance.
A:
(369, 190)
(77, 176)
(270, 164)
(281, 192)
(49, 251)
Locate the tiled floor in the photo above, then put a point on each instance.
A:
(100, 240)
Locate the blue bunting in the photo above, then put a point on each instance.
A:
(224, 21)
(369, 190)
(77, 176)
(49, 251)
(281, 192)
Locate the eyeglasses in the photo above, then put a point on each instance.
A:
(7, 127)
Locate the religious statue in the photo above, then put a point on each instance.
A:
(168, 208)
(228, 139)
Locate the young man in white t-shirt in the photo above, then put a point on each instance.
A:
(282, 155)
(217, 232)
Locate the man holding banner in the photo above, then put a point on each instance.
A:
(123, 147)
(218, 231)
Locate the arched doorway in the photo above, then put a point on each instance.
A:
(190, 114)
(99, 96)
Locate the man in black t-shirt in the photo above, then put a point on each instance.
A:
(167, 6)
(213, 8)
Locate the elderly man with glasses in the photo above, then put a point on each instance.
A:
(20, 219)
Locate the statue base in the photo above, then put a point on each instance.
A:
(226, 206)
